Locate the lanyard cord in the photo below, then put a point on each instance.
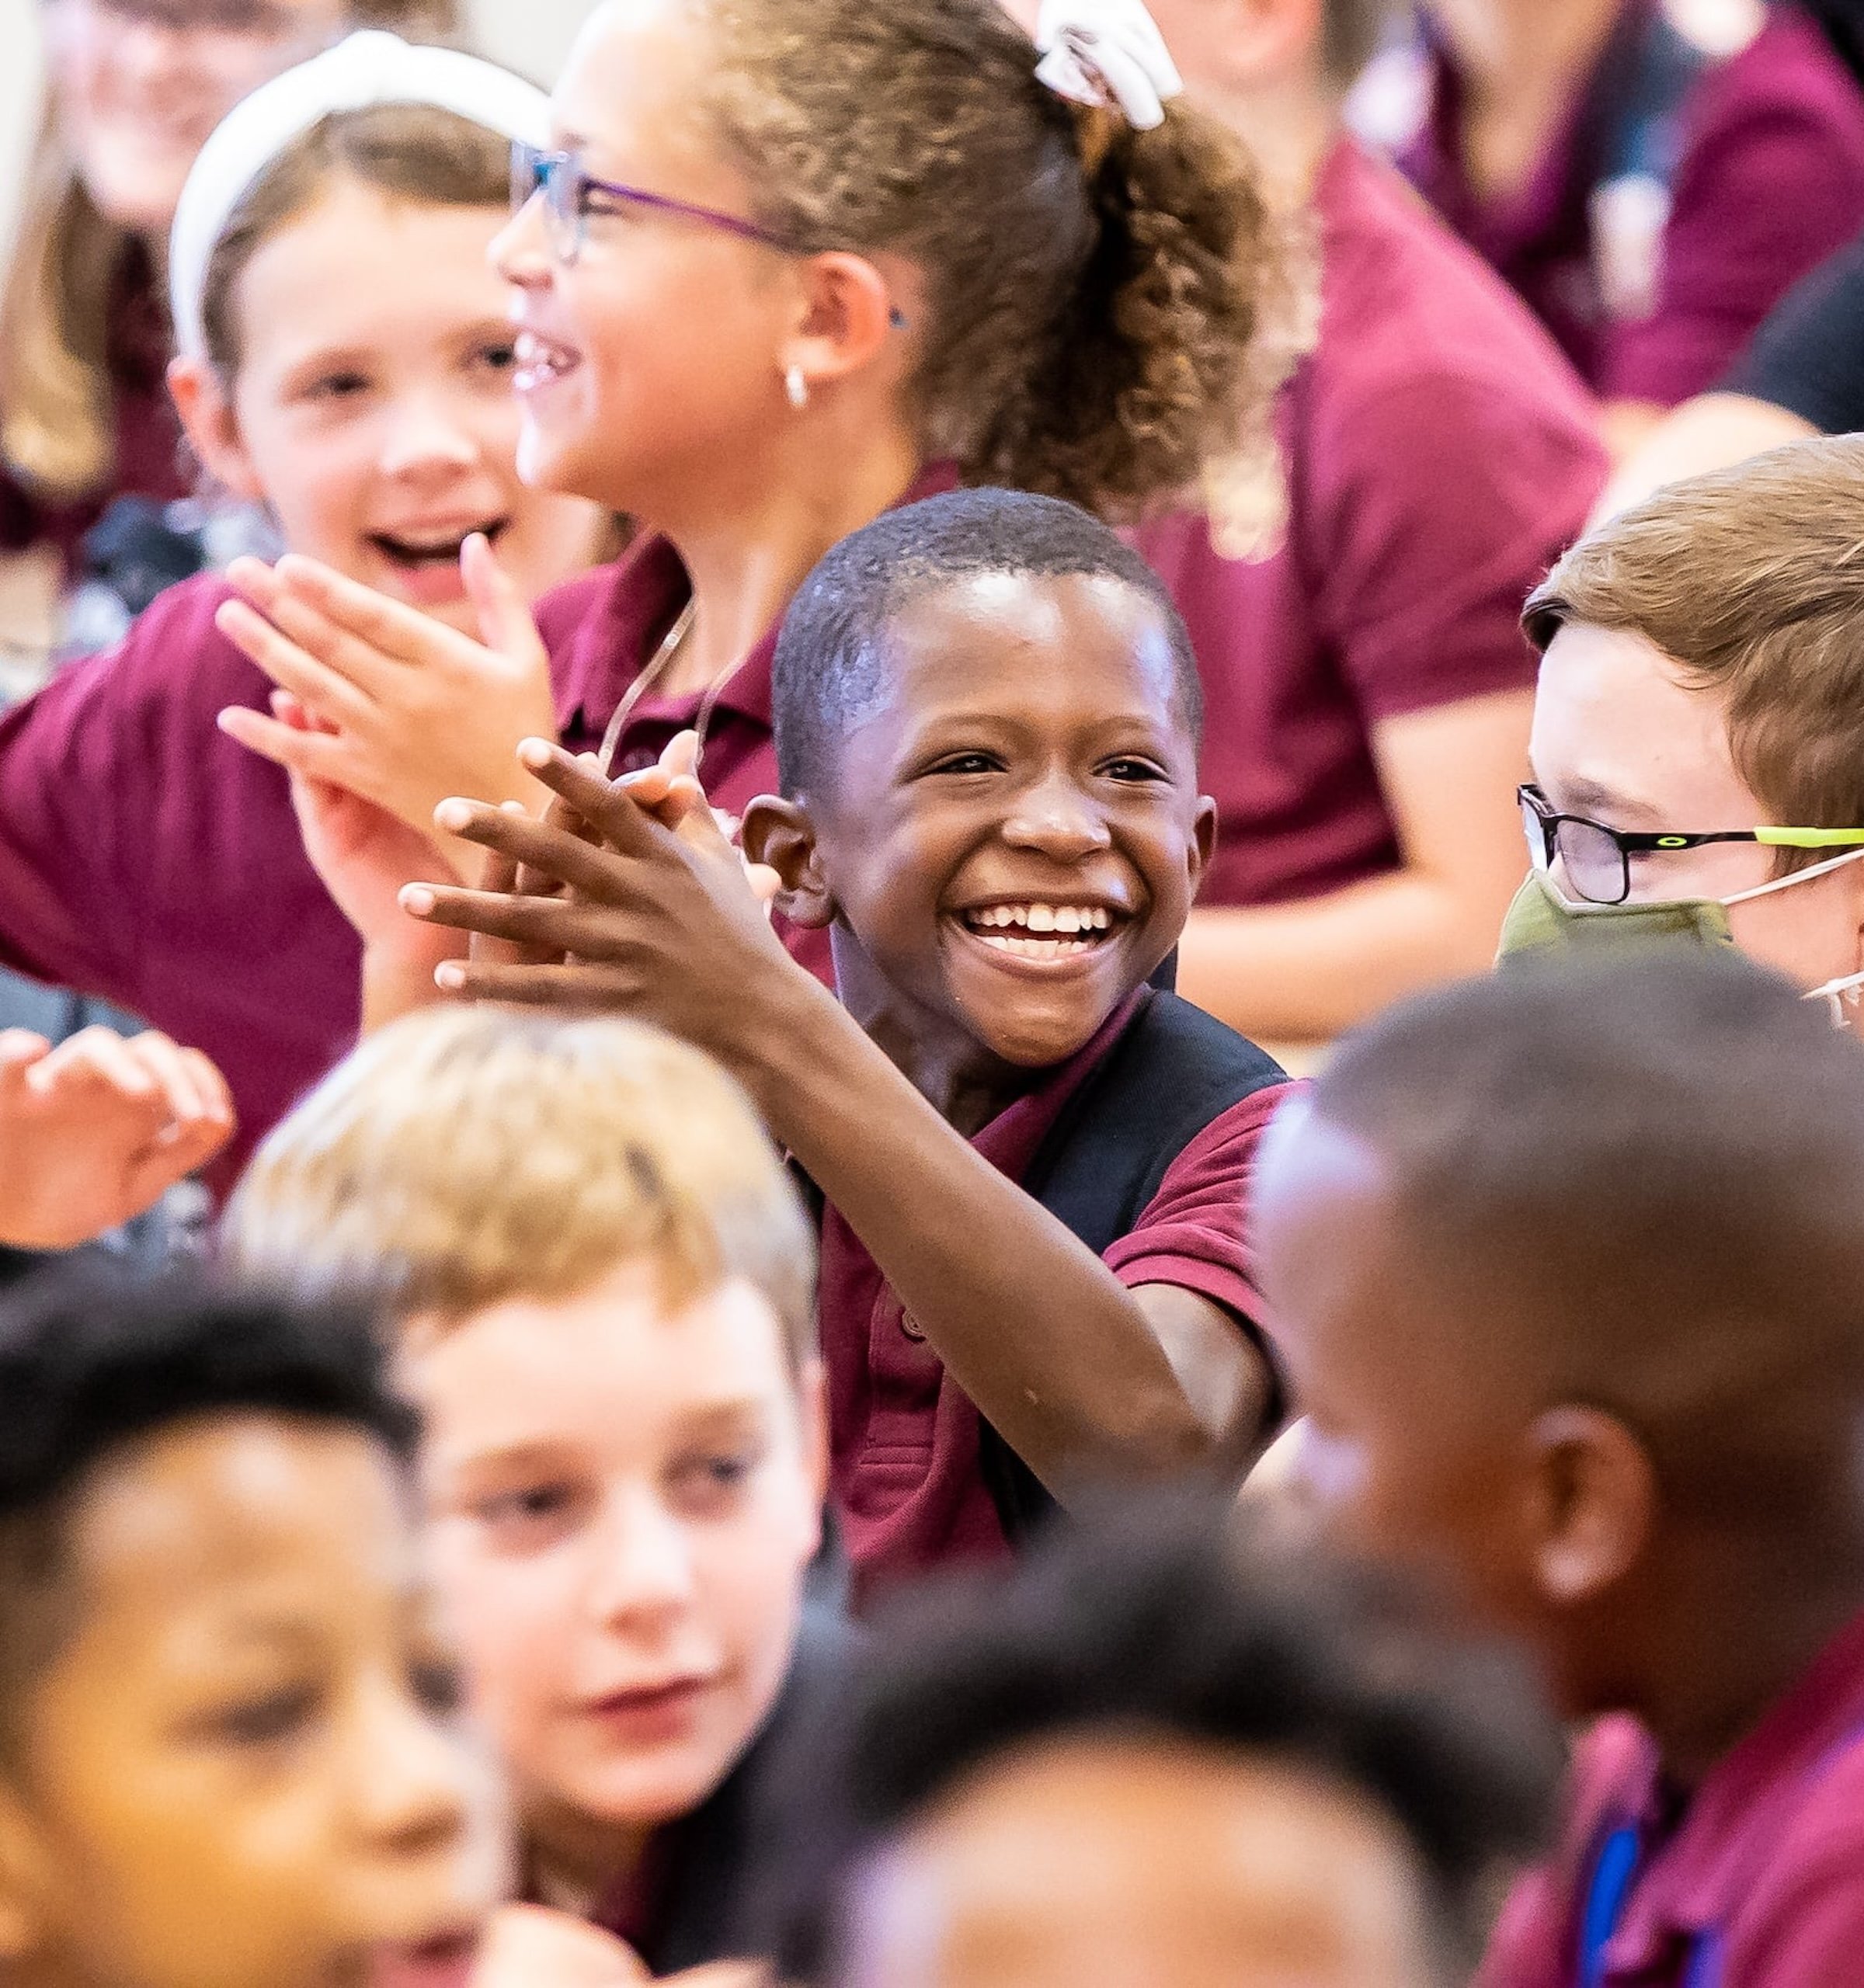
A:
(651, 675)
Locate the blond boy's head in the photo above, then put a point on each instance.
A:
(604, 1280)
(469, 1156)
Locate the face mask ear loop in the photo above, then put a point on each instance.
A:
(1805, 876)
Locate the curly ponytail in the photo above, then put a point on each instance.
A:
(1100, 300)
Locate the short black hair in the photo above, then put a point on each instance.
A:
(1645, 1177)
(830, 667)
(1173, 1617)
(92, 1360)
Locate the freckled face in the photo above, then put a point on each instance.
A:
(1013, 840)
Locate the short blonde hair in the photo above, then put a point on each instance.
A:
(469, 1156)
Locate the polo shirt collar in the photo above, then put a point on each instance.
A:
(650, 588)
(1698, 1878)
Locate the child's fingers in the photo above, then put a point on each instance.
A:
(625, 828)
(540, 850)
(389, 633)
(20, 1049)
(505, 621)
(550, 925)
(576, 988)
(186, 1083)
(292, 667)
(312, 751)
(94, 1062)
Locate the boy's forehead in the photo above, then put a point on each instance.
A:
(978, 638)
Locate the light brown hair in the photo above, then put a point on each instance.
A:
(413, 151)
(1752, 580)
(469, 1156)
(1096, 296)
(57, 395)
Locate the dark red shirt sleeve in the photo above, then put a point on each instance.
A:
(1194, 1233)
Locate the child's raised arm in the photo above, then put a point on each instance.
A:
(1083, 1378)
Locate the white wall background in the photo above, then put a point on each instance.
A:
(530, 35)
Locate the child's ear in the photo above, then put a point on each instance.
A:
(779, 835)
(1596, 1503)
(206, 413)
(24, 1891)
(1204, 840)
(846, 318)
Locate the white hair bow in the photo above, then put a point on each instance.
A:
(1108, 53)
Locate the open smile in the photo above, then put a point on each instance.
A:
(541, 361)
(1043, 933)
(416, 550)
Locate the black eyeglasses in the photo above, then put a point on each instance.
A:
(1596, 861)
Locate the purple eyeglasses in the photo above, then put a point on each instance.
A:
(565, 186)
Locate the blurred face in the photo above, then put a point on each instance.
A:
(373, 408)
(1155, 1865)
(1409, 1452)
(625, 1498)
(245, 1767)
(139, 83)
(647, 361)
(1013, 840)
(1622, 738)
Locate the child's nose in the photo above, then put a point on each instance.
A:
(520, 250)
(415, 1779)
(1057, 818)
(424, 436)
(642, 1561)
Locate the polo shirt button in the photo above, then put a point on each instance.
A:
(635, 761)
(910, 1330)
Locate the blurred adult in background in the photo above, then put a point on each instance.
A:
(133, 89)
(1803, 376)
(1653, 175)
(1355, 592)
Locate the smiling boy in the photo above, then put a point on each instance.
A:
(987, 713)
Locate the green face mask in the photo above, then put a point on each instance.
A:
(1541, 920)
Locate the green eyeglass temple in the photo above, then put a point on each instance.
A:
(1811, 838)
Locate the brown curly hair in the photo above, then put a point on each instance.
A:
(1098, 296)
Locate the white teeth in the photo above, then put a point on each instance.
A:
(1041, 917)
(1037, 949)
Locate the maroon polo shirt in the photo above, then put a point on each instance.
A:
(1766, 1859)
(1440, 454)
(146, 434)
(1769, 182)
(904, 1472)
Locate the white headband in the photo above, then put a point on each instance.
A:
(1110, 54)
(369, 68)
